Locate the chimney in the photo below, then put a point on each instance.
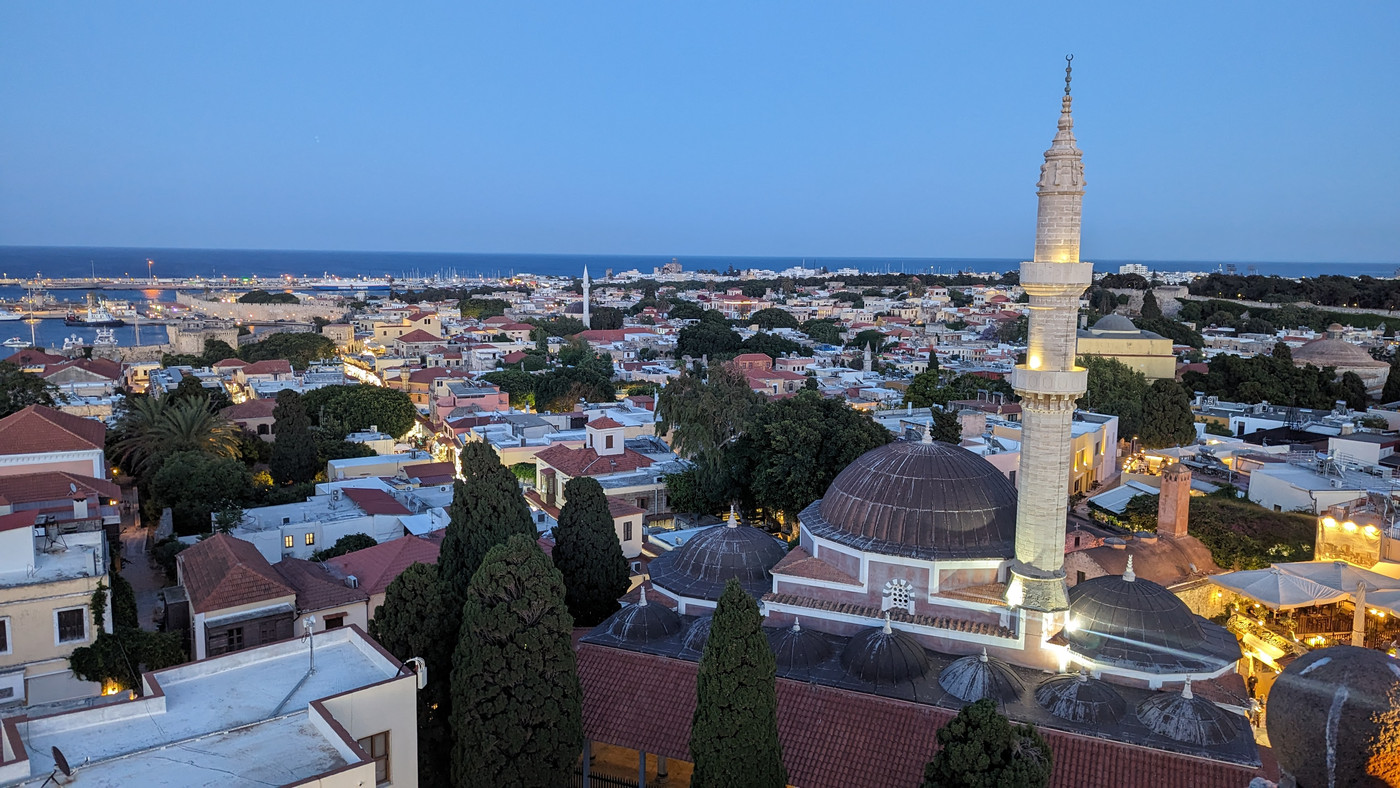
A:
(1174, 501)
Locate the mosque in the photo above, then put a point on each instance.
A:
(923, 580)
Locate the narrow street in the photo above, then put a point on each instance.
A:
(145, 578)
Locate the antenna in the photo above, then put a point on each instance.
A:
(60, 767)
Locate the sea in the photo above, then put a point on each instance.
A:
(60, 262)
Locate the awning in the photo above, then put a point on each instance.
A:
(1277, 589)
(1340, 575)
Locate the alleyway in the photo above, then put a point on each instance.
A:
(138, 569)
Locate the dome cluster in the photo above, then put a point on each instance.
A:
(700, 567)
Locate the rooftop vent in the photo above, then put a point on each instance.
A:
(352, 581)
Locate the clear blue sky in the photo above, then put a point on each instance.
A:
(1211, 131)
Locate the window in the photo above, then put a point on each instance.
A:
(310, 538)
(336, 621)
(287, 541)
(287, 521)
(607, 441)
(377, 748)
(627, 531)
(4, 635)
(1079, 577)
(898, 595)
(233, 639)
(72, 624)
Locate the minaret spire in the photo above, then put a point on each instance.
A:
(587, 321)
(1049, 382)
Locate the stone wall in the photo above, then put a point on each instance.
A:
(262, 312)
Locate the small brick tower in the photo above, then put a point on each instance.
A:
(1174, 502)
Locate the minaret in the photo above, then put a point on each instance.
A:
(1049, 382)
(587, 323)
(869, 361)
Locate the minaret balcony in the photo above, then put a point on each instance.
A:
(1055, 382)
(1056, 278)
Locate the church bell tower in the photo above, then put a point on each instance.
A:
(1049, 382)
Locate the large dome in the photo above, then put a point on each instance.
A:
(700, 567)
(921, 500)
(1127, 621)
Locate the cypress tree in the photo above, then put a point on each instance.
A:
(294, 451)
(487, 507)
(734, 735)
(588, 554)
(411, 623)
(1167, 419)
(1391, 392)
(980, 748)
(1151, 310)
(517, 716)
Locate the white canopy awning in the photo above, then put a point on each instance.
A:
(1277, 589)
(1340, 575)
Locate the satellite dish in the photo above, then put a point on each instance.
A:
(61, 763)
(72, 488)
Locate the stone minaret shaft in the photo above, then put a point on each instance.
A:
(587, 321)
(1049, 382)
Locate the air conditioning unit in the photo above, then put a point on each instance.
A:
(335, 494)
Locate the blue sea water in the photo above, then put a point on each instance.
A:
(58, 262)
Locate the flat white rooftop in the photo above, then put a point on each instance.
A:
(222, 721)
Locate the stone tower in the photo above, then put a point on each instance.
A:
(587, 320)
(1174, 501)
(1049, 382)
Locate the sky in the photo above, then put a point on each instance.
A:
(1244, 131)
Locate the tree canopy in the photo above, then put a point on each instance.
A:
(1167, 419)
(520, 385)
(348, 543)
(605, 318)
(195, 484)
(708, 338)
(587, 553)
(358, 407)
(264, 297)
(1260, 378)
(20, 389)
(482, 308)
(704, 413)
(294, 452)
(772, 317)
(826, 332)
(487, 508)
(517, 705)
(1115, 389)
(300, 349)
(981, 748)
(685, 310)
(734, 733)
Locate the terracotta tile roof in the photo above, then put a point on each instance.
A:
(276, 366)
(431, 472)
(229, 363)
(317, 589)
(429, 374)
(100, 367)
(837, 738)
(800, 563)
(373, 501)
(497, 320)
(620, 508)
(603, 423)
(224, 571)
(417, 336)
(53, 486)
(37, 429)
(30, 357)
(514, 358)
(24, 519)
(376, 567)
(586, 462)
(873, 612)
(252, 409)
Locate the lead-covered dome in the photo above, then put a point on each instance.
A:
(921, 500)
(882, 655)
(1079, 698)
(978, 676)
(700, 568)
(643, 623)
(1183, 717)
(1126, 621)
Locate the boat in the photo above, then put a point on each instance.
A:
(6, 315)
(95, 317)
(106, 337)
(73, 342)
(15, 342)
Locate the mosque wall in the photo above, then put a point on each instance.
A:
(846, 562)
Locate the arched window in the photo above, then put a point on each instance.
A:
(898, 595)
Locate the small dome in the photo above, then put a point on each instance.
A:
(798, 648)
(919, 500)
(1114, 322)
(1183, 717)
(978, 676)
(1344, 701)
(883, 655)
(1333, 351)
(699, 568)
(643, 623)
(1078, 698)
(575, 308)
(697, 635)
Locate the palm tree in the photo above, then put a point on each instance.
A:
(153, 429)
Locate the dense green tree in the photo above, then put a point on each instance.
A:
(20, 389)
(923, 389)
(1352, 390)
(869, 338)
(685, 310)
(587, 553)
(294, 452)
(1140, 513)
(605, 318)
(856, 300)
(1167, 419)
(1179, 333)
(1262, 377)
(770, 345)
(214, 399)
(1283, 352)
(560, 389)
(557, 326)
(487, 508)
(702, 414)
(772, 317)
(517, 705)
(301, 349)
(358, 407)
(411, 623)
(482, 308)
(701, 488)
(520, 385)
(1115, 389)
(981, 748)
(826, 332)
(947, 427)
(734, 734)
(264, 297)
(796, 446)
(1151, 310)
(708, 339)
(754, 289)
(331, 446)
(195, 485)
(1391, 392)
(1014, 332)
(151, 429)
(348, 543)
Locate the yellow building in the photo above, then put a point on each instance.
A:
(1115, 337)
